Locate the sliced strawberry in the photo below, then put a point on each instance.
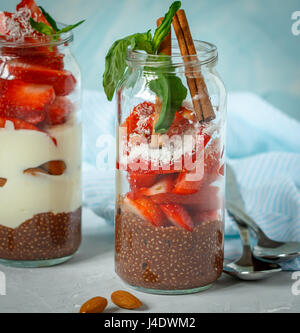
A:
(208, 215)
(206, 198)
(145, 209)
(180, 124)
(178, 216)
(211, 165)
(164, 185)
(18, 124)
(221, 170)
(63, 81)
(140, 121)
(59, 111)
(188, 114)
(51, 61)
(4, 16)
(25, 100)
(36, 13)
(139, 179)
(184, 184)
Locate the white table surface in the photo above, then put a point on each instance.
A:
(90, 273)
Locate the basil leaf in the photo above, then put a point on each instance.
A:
(162, 31)
(115, 60)
(69, 27)
(50, 19)
(41, 27)
(171, 91)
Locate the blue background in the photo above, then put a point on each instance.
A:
(257, 50)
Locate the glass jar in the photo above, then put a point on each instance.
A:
(170, 186)
(40, 151)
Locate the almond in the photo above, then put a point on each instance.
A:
(34, 171)
(94, 305)
(54, 168)
(2, 181)
(125, 300)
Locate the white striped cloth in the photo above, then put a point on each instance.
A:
(263, 146)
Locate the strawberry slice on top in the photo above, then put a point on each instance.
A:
(145, 209)
(178, 215)
(36, 13)
(140, 121)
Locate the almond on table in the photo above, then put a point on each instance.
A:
(94, 305)
(125, 300)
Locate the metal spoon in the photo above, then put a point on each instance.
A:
(266, 248)
(248, 267)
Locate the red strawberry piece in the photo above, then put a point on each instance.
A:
(3, 24)
(36, 13)
(139, 179)
(18, 124)
(178, 215)
(221, 170)
(211, 166)
(63, 81)
(145, 209)
(140, 121)
(180, 124)
(50, 61)
(58, 112)
(25, 100)
(184, 184)
(164, 185)
(206, 198)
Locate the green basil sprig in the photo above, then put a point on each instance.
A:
(52, 29)
(168, 87)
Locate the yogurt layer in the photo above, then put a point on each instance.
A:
(25, 195)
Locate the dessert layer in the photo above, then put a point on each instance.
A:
(167, 258)
(26, 195)
(45, 236)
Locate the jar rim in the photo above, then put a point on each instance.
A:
(38, 41)
(207, 53)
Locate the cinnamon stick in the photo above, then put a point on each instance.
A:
(202, 104)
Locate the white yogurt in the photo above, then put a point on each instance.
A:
(25, 195)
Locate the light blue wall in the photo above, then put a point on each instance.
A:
(257, 49)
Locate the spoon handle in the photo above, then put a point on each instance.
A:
(244, 219)
(247, 257)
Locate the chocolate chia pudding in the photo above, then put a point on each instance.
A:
(45, 236)
(167, 258)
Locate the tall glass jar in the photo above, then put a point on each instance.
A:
(170, 186)
(40, 151)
